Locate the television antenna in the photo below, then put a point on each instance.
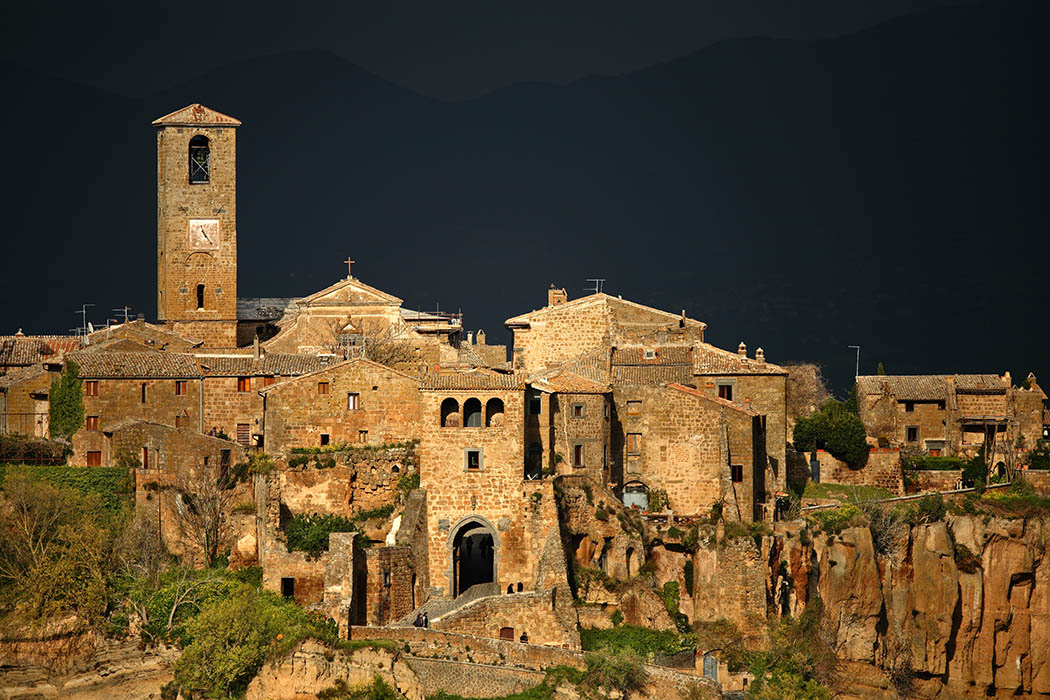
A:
(856, 372)
(599, 284)
(83, 319)
(124, 310)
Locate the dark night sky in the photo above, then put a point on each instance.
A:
(801, 176)
(451, 51)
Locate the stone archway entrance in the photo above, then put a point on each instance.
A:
(473, 553)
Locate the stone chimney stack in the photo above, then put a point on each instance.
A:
(255, 347)
(556, 296)
(741, 349)
(481, 337)
(470, 337)
(760, 355)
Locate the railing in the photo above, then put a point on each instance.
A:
(35, 424)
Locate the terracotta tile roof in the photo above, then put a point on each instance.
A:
(148, 331)
(567, 382)
(709, 360)
(712, 399)
(16, 350)
(523, 320)
(469, 356)
(17, 375)
(593, 366)
(479, 379)
(663, 355)
(196, 115)
(651, 374)
(931, 387)
(145, 365)
(276, 363)
(263, 308)
(979, 384)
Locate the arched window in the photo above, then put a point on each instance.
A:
(450, 413)
(494, 413)
(200, 296)
(200, 160)
(472, 413)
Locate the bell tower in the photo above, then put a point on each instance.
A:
(197, 224)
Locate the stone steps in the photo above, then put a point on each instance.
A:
(439, 607)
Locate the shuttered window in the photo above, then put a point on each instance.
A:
(244, 434)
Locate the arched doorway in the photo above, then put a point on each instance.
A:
(473, 544)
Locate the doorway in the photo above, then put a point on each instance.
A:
(473, 556)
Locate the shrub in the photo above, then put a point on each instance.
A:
(407, 483)
(976, 471)
(797, 663)
(836, 429)
(688, 575)
(378, 689)
(834, 520)
(644, 641)
(231, 639)
(888, 530)
(926, 462)
(965, 560)
(26, 449)
(600, 513)
(616, 618)
(66, 403)
(309, 533)
(619, 669)
(929, 509)
(110, 484)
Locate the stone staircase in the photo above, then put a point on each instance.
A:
(439, 607)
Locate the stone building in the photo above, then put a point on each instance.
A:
(162, 388)
(197, 224)
(352, 402)
(231, 383)
(953, 414)
(147, 336)
(24, 395)
(631, 348)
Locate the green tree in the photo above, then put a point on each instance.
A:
(54, 550)
(880, 370)
(66, 403)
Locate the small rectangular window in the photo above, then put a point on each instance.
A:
(386, 578)
(577, 410)
(725, 391)
(244, 384)
(224, 458)
(940, 405)
(91, 423)
(736, 472)
(634, 408)
(91, 388)
(353, 401)
(577, 455)
(288, 587)
(322, 387)
(634, 443)
(909, 406)
(179, 421)
(324, 439)
(605, 407)
(650, 354)
(535, 404)
(267, 380)
(144, 392)
(94, 458)
(180, 387)
(473, 460)
(913, 433)
(362, 436)
(244, 434)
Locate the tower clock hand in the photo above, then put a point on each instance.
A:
(205, 234)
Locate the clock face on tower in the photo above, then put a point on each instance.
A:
(204, 234)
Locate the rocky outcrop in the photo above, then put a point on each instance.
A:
(925, 617)
(313, 667)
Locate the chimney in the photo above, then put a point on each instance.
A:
(141, 317)
(20, 334)
(481, 337)
(741, 349)
(556, 296)
(255, 347)
(470, 338)
(760, 355)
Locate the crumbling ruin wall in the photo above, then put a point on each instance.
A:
(882, 469)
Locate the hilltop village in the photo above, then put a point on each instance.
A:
(500, 490)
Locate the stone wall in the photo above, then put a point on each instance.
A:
(581, 420)
(226, 406)
(387, 407)
(1038, 478)
(517, 614)
(883, 469)
(936, 480)
(390, 584)
(729, 581)
(119, 400)
(360, 480)
(472, 680)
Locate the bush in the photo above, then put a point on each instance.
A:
(111, 484)
(688, 576)
(378, 689)
(26, 449)
(309, 533)
(798, 663)
(835, 429)
(407, 483)
(929, 509)
(888, 530)
(66, 403)
(965, 560)
(231, 639)
(644, 641)
(929, 463)
(619, 669)
(976, 471)
(835, 520)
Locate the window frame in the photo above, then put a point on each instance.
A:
(244, 384)
(353, 401)
(635, 438)
(634, 407)
(725, 390)
(579, 455)
(91, 423)
(90, 387)
(736, 473)
(908, 431)
(181, 387)
(467, 451)
(579, 410)
(324, 388)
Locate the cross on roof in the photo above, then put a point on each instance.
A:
(349, 262)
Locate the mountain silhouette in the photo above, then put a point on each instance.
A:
(883, 189)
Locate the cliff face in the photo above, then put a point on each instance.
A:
(927, 621)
